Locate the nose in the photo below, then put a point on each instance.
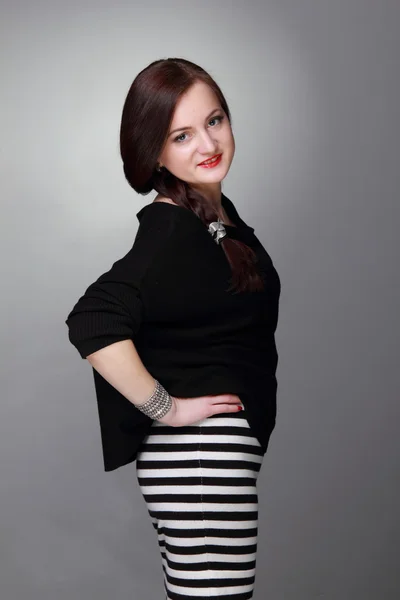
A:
(206, 144)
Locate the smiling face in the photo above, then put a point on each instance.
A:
(199, 130)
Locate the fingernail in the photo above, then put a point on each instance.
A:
(240, 407)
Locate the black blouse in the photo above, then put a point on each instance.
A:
(168, 295)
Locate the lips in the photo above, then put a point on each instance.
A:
(210, 159)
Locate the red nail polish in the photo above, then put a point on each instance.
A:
(240, 408)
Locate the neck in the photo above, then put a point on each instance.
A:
(213, 193)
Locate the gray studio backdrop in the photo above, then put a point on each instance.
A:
(314, 91)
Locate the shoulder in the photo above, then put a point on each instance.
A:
(154, 233)
(160, 198)
(155, 217)
(232, 211)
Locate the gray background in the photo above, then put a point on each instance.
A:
(314, 92)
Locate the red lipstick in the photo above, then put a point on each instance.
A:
(215, 160)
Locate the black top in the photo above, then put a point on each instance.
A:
(168, 294)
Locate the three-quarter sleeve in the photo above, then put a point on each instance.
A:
(112, 308)
(109, 311)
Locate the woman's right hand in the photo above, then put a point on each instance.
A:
(185, 411)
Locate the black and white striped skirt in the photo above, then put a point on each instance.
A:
(199, 484)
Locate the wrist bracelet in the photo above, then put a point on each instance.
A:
(158, 404)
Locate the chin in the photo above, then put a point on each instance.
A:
(210, 179)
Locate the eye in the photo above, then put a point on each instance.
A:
(219, 118)
(177, 139)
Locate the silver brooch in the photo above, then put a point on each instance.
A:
(217, 230)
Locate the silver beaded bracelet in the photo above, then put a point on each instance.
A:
(159, 403)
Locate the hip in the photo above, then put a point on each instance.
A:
(220, 441)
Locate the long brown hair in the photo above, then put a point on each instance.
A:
(146, 118)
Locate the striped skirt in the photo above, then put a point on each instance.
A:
(199, 485)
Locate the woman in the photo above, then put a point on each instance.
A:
(180, 335)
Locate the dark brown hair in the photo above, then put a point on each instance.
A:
(146, 118)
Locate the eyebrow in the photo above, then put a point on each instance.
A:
(189, 127)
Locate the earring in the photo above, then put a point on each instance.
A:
(159, 167)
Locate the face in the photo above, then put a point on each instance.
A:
(199, 130)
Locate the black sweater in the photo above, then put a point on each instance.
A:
(168, 295)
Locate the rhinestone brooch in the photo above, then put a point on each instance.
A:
(217, 230)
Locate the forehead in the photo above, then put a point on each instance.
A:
(197, 102)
